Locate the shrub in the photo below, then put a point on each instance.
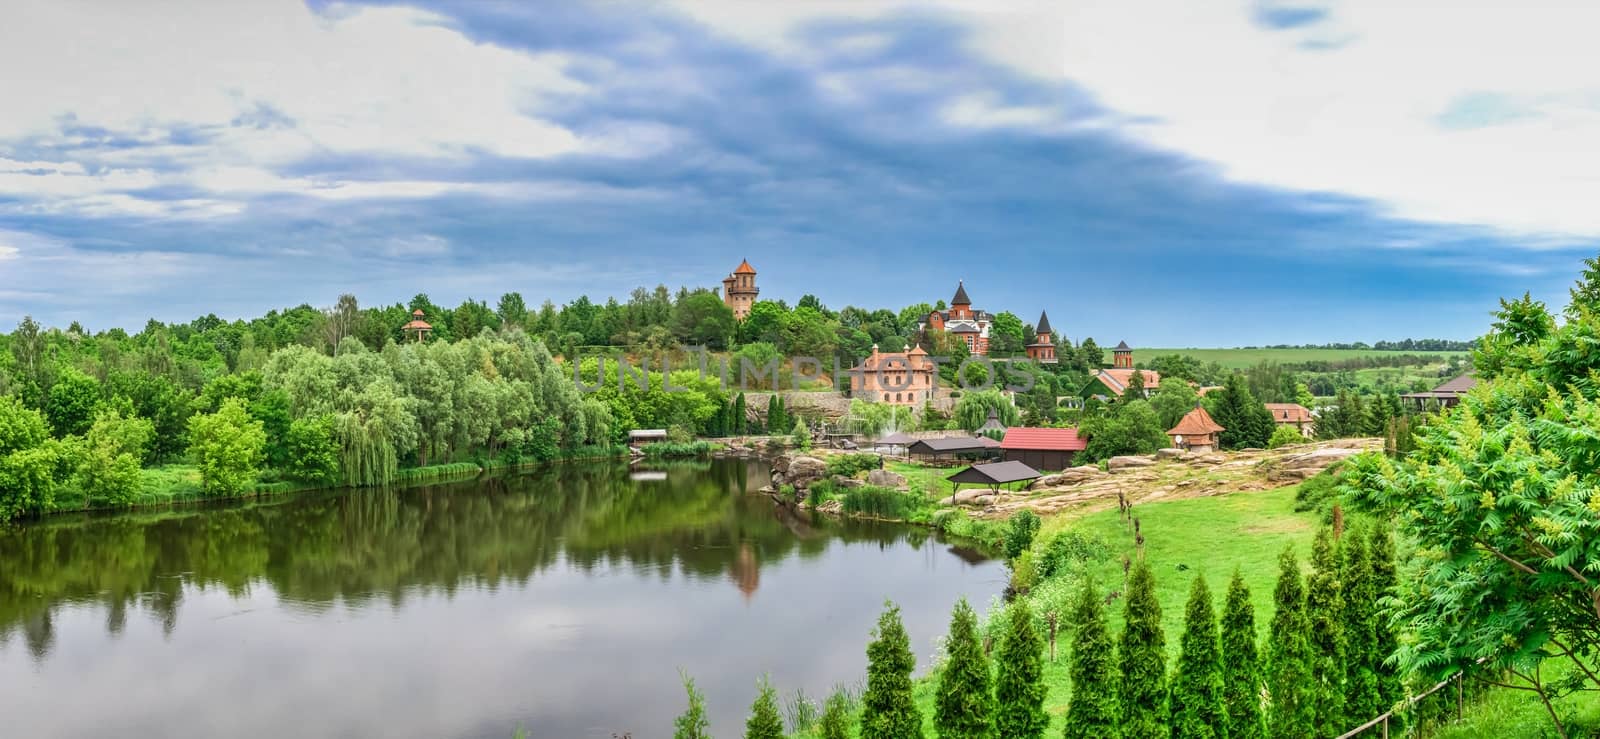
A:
(1068, 551)
(1285, 436)
(821, 492)
(1024, 524)
(1318, 493)
(849, 465)
(678, 450)
(882, 502)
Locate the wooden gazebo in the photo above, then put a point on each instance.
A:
(994, 474)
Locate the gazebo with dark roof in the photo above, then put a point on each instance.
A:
(1445, 395)
(994, 474)
(952, 448)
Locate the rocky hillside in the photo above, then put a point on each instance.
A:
(1168, 474)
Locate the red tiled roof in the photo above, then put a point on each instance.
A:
(1124, 376)
(416, 325)
(1066, 440)
(1289, 412)
(745, 268)
(1196, 423)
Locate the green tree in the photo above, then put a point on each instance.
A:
(972, 409)
(1325, 613)
(1172, 400)
(1585, 295)
(1290, 710)
(1005, 335)
(31, 463)
(1020, 530)
(108, 471)
(692, 723)
(964, 703)
(1142, 657)
(1128, 428)
(512, 310)
(741, 423)
(800, 434)
(1019, 687)
(1246, 422)
(764, 721)
(887, 708)
(1135, 389)
(1380, 549)
(702, 319)
(1361, 623)
(835, 720)
(1241, 666)
(228, 447)
(312, 451)
(1090, 355)
(1092, 711)
(1285, 436)
(1198, 708)
(72, 402)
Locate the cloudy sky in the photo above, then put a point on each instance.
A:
(1162, 171)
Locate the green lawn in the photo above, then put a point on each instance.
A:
(1240, 358)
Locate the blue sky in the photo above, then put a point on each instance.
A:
(1163, 172)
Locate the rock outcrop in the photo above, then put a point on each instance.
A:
(885, 478)
(1117, 464)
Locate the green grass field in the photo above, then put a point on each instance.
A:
(1240, 358)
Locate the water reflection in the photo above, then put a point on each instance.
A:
(563, 599)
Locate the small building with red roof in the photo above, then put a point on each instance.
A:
(1041, 449)
(1196, 431)
(1293, 414)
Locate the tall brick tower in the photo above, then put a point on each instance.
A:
(739, 289)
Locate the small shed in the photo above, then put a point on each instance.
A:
(1196, 431)
(994, 474)
(1042, 449)
(952, 448)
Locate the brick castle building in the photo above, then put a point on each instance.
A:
(739, 289)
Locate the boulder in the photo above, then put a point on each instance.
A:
(846, 482)
(1128, 462)
(805, 470)
(1307, 464)
(885, 478)
(1069, 476)
(1170, 453)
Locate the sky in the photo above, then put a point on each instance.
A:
(1164, 172)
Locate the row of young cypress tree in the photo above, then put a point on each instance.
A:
(1319, 672)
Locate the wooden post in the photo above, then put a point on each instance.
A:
(1386, 726)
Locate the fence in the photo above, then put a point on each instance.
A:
(1383, 720)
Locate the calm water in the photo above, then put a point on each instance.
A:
(564, 601)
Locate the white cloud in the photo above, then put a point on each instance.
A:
(266, 84)
(1351, 104)
(7, 252)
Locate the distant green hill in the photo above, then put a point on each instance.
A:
(1238, 358)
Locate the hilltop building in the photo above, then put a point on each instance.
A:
(739, 289)
(970, 326)
(1196, 431)
(1043, 348)
(1114, 381)
(897, 378)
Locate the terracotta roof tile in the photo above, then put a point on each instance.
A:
(1196, 423)
(1066, 440)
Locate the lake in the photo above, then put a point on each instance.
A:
(563, 600)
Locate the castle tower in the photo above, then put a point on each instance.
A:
(960, 305)
(1043, 348)
(1122, 356)
(739, 289)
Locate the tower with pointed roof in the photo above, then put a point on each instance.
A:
(1043, 348)
(1122, 356)
(969, 326)
(739, 289)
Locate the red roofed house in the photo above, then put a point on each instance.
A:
(1041, 449)
(739, 289)
(1112, 382)
(893, 377)
(417, 329)
(969, 326)
(1196, 431)
(1293, 414)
